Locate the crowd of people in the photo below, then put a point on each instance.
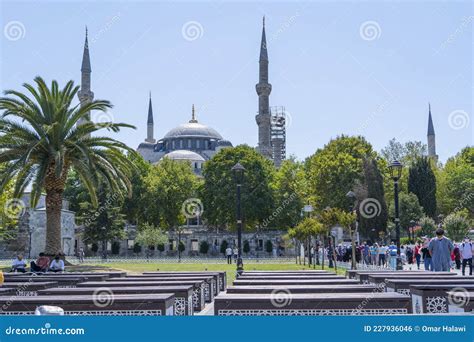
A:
(436, 254)
(41, 265)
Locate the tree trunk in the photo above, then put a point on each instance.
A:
(54, 200)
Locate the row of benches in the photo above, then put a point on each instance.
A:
(151, 293)
(363, 292)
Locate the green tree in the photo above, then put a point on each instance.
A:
(428, 227)
(169, 184)
(246, 247)
(11, 210)
(409, 210)
(224, 246)
(334, 170)
(203, 247)
(422, 182)
(456, 225)
(219, 194)
(269, 246)
(134, 206)
(406, 153)
(289, 187)
(42, 142)
(373, 211)
(456, 183)
(150, 236)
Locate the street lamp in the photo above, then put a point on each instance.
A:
(396, 173)
(104, 243)
(351, 195)
(238, 171)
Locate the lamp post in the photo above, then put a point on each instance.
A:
(351, 195)
(238, 171)
(396, 173)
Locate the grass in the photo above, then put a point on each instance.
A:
(230, 269)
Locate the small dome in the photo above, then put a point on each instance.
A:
(184, 155)
(193, 130)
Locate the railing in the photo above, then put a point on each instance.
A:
(168, 260)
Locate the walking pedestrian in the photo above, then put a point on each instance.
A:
(440, 249)
(417, 253)
(466, 254)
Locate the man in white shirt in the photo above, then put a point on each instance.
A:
(228, 254)
(466, 254)
(57, 265)
(19, 264)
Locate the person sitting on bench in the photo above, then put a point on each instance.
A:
(57, 265)
(41, 264)
(19, 264)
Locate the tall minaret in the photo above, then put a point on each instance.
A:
(431, 137)
(85, 94)
(263, 90)
(150, 126)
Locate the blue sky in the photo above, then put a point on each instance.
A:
(343, 67)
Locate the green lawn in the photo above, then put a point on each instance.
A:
(230, 269)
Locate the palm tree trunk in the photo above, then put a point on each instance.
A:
(54, 199)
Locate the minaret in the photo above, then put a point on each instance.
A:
(85, 94)
(150, 126)
(431, 137)
(263, 90)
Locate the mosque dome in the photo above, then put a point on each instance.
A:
(184, 155)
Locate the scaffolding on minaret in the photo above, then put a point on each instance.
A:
(278, 134)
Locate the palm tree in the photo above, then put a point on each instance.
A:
(41, 140)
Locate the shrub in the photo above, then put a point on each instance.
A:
(181, 246)
(94, 247)
(161, 247)
(246, 247)
(203, 247)
(137, 248)
(223, 246)
(269, 246)
(115, 247)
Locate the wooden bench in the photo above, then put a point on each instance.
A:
(121, 305)
(198, 287)
(62, 281)
(221, 276)
(272, 282)
(114, 274)
(383, 278)
(353, 274)
(209, 285)
(364, 276)
(289, 272)
(461, 302)
(28, 288)
(53, 276)
(183, 294)
(304, 289)
(403, 285)
(320, 304)
(288, 277)
(435, 299)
